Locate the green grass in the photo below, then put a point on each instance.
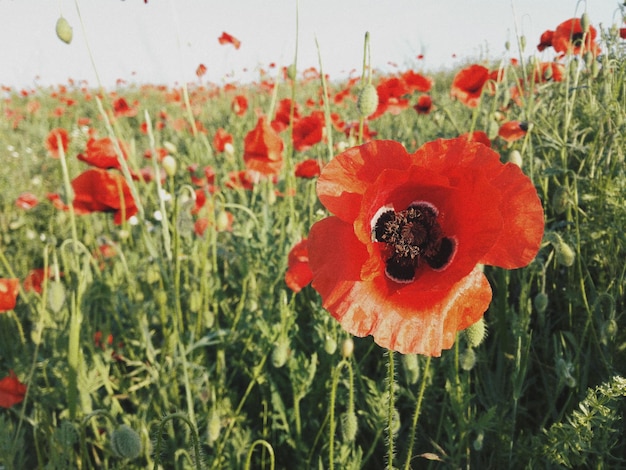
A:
(215, 363)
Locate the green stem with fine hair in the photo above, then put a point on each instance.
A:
(416, 414)
(264, 443)
(194, 439)
(390, 409)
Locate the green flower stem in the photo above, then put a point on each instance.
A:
(194, 439)
(83, 432)
(263, 443)
(327, 118)
(390, 409)
(333, 397)
(367, 69)
(416, 414)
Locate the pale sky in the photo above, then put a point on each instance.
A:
(163, 41)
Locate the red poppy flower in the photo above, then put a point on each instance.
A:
(417, 82)
(12, 391)
(239, 105)
(201, 70)
(52, 141)
(400, 259)
(121, 108)
(8, 293)
(622, 33)
(99, 190)
(513, 130)
(467, 85)
(101, 153)
(308, 131)
(308, 169)
(242, 179)
(424, 104)
(34, 279)
(263, 149)
(569, 38)
(221, 138)
(26, 201)
(283, 113)
(545, 40)
(298, 274)
(391, 97)
(226, 38)
(548, 71)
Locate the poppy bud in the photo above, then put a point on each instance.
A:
(507, 45)
(330, 345)
(541, 302)
(125, 442)
(222, 222)
(411, 368)
(367, 101)
(565, 254)
(291, 72)
(169, 165)
(476, 333)
(585, 22)
(349, 426)
(560, 200)
(347, 348)
(195, 301)
(64, 30)
(56, 296)
(214, 426)
(522, 42)
(515, 157)
(280, 353)
(468, 359)
(170, 147)
(229, 150)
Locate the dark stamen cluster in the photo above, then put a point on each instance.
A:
(413, 236)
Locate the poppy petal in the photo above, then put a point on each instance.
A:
(12, 391)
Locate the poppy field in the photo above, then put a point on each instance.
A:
(387, 270)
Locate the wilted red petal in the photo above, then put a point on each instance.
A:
(12, 391)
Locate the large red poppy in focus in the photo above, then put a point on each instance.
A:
(400, 258)
(263, 149)
(99, 190)
(12, 391)
(467, 85)
(8, 294)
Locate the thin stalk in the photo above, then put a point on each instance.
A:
(416, 414)
(390, 409)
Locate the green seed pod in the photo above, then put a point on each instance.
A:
(280, 353)
(476, 333)
(367, 101)
(125, 442)
(522, 42)
(330, 345)
(291, 72)
(468, 359)
(541, 302)
(349, 426)
(214, 426)
(64, 30)
(560, 200)
(67, 434)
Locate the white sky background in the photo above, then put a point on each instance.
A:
(163, 41)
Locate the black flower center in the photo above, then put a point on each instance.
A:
(577, 39)
(413, 237)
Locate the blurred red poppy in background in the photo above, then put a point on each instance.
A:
(392, 97)
(12, 391)
(239, 105)
(26, 201)
(101, 153)
(121, 108)
(308, 131)
(98, 190)
(9, 288)
(201, 70)
(34, 279)
(416, 82)
(283, 113)
(221, 138)
(424, 104)
(263, 149)
(468, 83)
(513, 130)
(52, 141)
(308, 169)
(401, 257)
(226, 38)
(548, 71)
(298, 274)
(569, 38)
(545, 40)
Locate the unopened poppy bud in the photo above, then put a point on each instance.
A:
(347, 348)
(170, 147)
(280, 353)
(214, 426)
(411, 368)
(125, 442)
(349, 426)
(229, 150)
(589, 58)
(507, 45)
(330, 345)
(560, 200)
(585, 22)
(468, 359)
(565, 254)
(291, 72)
(476, 333)
(515, 157)
(367, 101)
(522, 42)
(64, 30)
(541, 302)
(222, 222)
(56, 296)
(169, 165)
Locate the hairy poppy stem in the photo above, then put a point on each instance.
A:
(263, 443)
(390, 409)
(194, 439)
(416, 414)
